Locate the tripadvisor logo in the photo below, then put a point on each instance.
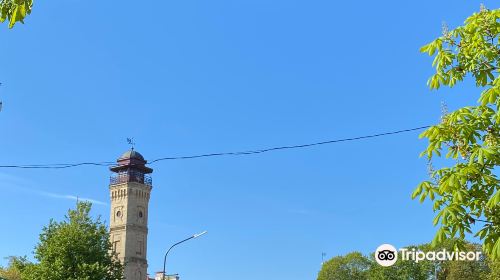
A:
(387, 255)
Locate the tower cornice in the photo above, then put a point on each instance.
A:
(128, 226)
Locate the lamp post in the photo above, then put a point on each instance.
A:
(165, 259)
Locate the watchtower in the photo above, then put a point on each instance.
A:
(130, 188)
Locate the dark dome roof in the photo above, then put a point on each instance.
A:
(131, 160)
(132, 155)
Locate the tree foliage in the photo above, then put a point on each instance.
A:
(467, 192)
(14, 268)
(77, 248)
(459, 270)
(406, 269)
(356, 266)
(14, 10)
(494, 270)
(353, 266)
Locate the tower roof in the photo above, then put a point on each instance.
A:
(131, 160)
(131, 154)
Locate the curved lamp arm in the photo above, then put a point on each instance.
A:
(166, 254)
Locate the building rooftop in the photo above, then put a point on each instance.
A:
(131, 154)
(131, 159)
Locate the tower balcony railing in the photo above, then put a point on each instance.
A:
(131, 176)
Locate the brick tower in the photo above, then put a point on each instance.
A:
(130, 187)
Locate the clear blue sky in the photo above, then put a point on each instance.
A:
(189, 77)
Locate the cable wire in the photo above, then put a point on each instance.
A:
(290, 147)
(250, 152)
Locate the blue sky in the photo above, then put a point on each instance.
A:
(189, 77)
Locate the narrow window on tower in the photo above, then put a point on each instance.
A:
(140, 215)
(116, 243)
(139, 247)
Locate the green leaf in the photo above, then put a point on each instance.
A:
(438, 217)
(495, 252)
(13, 17)
(15, 10)
(422, 197)
(417, 191)
(494, 200)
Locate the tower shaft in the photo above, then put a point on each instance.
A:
(130, 190)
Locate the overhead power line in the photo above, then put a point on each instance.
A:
(260, 151)
(241, 153)
(57, 165)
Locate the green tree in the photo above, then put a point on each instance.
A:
(458, 270)
(14, 10)
(494, 270)
(467, 192)
(14, 268)
(77, 248)
(341, 267)
(353, 266)
(407, 269)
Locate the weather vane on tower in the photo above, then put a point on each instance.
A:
(131, 142)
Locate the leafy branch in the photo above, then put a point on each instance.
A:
(14, 10)
(469, 190)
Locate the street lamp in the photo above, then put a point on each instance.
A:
(165, 259)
